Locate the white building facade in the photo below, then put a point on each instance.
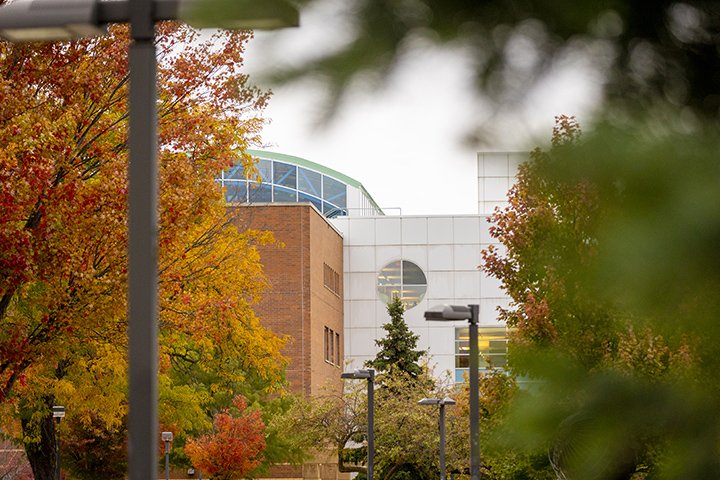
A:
(427, 260)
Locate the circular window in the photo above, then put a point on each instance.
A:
(402, 279)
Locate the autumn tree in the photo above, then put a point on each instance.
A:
(606, 357)
(63, 121)
(404, 431)
(235, 447)
(397, 347)
(547, 234)
(499, 459)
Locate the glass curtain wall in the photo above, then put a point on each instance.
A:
(283, 182)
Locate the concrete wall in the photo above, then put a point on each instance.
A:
(448, 250)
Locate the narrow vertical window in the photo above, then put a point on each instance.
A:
(337, 349)
(326, 346)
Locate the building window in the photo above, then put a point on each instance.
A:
(334, 192)
(331, 346)
(236, 191)
(492, 346)
(285, 175)
(310, 182)
(331, 279)
(337, 348)
(402, 279)
(274, 181)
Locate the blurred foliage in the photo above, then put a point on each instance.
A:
(499, 392)
(662, 52)
(610, 249)
(611, 262)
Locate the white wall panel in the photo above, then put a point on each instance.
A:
(385, 254)
(362, 286)
(363, 341)
(341, 224)
(496, 189)
(440, 257)
(441, 340)
(414, 230)
(490, 287)
(493, 164)
(388, 231)
(467, 287)
(415, 317)
(466, 257)
(418, 254)
(361, 259)
(361, 314)
(440, 230)
(466, 230)
(360, 231)
(441, 284)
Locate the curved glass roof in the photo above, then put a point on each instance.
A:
(285, 178)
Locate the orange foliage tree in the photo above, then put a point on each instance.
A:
(590, 351)
(235, 447)
(63, 264)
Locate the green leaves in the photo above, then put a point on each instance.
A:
(615, 235)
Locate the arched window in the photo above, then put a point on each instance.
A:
(403, 279)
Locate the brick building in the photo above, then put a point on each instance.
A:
(305, 300)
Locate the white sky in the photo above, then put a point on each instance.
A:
(403, 142)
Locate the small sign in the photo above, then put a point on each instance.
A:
(58, 411)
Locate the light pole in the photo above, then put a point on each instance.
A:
(441, 402)
(167, 437)
(448, 313)
(369, 375)
(49, 20)
(58, 412)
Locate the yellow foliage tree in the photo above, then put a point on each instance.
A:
(63, 265)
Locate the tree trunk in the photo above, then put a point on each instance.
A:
(41, 455)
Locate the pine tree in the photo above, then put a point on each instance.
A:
(397, 348)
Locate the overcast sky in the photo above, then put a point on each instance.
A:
(404, 142)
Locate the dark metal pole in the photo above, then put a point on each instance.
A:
(442, 440)
(167, 460)
(474, 395)
(143, 245)
(57, 448)
(371, 424)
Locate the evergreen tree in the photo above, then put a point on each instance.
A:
(397, 348)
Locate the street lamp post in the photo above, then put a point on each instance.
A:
(448, 313)
(441, 402)
(369, 375)
(167, 437)
(49, 20)
(58, 412)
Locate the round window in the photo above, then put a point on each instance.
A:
(402, 279)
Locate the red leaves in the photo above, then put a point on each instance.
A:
(236, 446)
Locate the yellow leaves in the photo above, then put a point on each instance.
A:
(63, 187)
(182, 405)
(649, 354)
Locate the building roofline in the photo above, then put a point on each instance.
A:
(302, 162)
